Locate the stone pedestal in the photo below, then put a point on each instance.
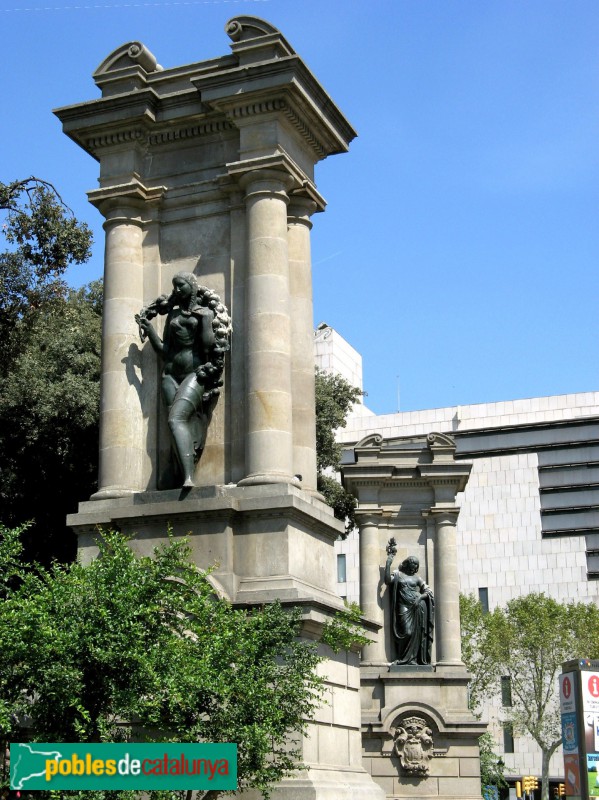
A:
(267, 542)
(439, 699)
(406, 490)
(209, 168)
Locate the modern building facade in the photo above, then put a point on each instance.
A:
(529, 519)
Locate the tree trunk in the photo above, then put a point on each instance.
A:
(546, 756)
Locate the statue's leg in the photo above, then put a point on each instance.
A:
(185, 405)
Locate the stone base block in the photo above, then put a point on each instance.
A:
(324, 784)
(265, 542)
(436, 699)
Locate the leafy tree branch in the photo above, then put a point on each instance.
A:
(527, 643)
(334, 399)
(139, 648)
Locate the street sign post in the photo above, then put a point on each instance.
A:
(579, 706)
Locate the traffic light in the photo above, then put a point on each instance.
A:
(529, 783)
(561, 790)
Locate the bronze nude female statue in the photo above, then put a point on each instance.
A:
(412, 610)
(196, 338)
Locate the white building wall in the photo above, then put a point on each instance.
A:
(481, 415)
(333, 354)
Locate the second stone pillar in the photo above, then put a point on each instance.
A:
(269, 438)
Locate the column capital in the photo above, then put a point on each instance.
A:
(300, 209)
(447, 514)
(306, 195)
(266, 183)
(273, 168)
(126, 200)
(369, 518)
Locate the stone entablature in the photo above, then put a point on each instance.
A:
(264, 82)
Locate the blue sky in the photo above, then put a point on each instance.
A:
(459, 250)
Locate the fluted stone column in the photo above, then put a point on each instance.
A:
(447, 590)
(269, 443)
(121, 420)
(370, 583)
(302, 340)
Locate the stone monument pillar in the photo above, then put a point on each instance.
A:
(269, 433)
(207, 186)
(302, 336)
(419, 737)
(371, 599)
(448, 591)
(122, 452)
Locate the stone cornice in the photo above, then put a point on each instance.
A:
(191, 131)
(286, 86)
(279, 104)
(383, 470)
(148, 133)
(109, 121)
(215, 502)
(144, 104)
(110, 139)
(446, 473)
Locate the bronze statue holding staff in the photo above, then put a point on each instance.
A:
(412, 610)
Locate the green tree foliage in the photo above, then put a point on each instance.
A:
(147, 640)
(44, 239)
(49, 365)
(483, 673)
(334, 398)
(527, 642)
(492, 768)
(49, 408)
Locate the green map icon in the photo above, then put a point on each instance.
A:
(27, 761)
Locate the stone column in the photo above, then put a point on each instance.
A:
(371, 601)
(429, 522)
(157, 447)
(122, 441)
(302, 340)
(269, 420)
(447, 590)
